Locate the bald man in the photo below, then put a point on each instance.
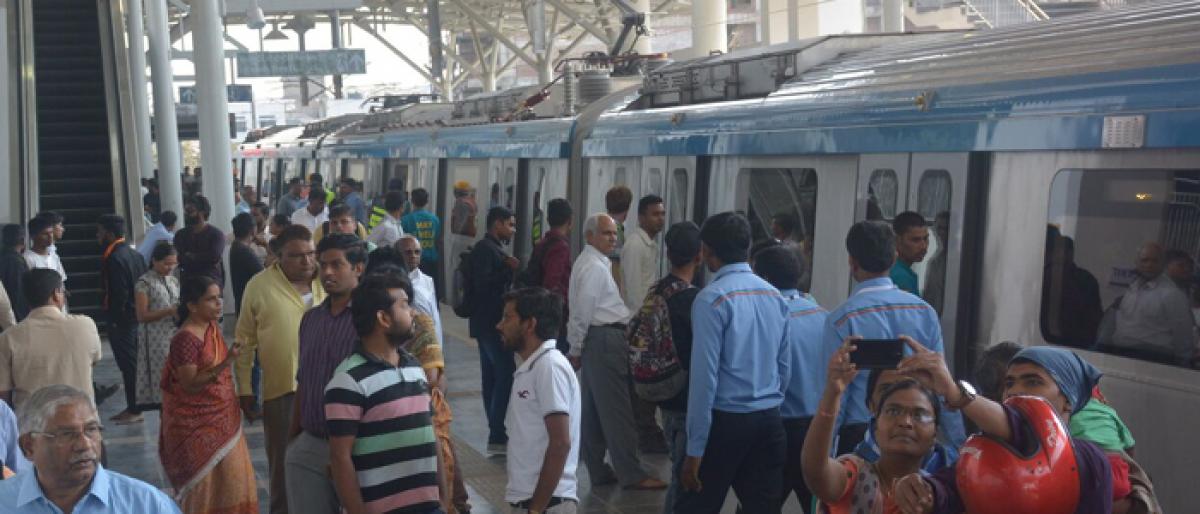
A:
(1153, 318)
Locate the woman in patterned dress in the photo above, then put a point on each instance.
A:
(156, 296)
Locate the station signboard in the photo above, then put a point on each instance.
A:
(235, 93)
(346, 61)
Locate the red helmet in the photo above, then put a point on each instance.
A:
(995, 478)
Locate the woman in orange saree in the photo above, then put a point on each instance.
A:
(202, 448)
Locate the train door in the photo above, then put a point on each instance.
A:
(603, 174)
(462, 214)
(812, 195)
(426, 176)
(539, 181)
(673, 179)
(934, 186)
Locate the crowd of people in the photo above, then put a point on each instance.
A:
(747, 384)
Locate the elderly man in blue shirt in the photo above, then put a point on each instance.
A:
(10, 451)
(61, 433)
(780, 267)
(877, 309)
(740, 364)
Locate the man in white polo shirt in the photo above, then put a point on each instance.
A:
(543, 408)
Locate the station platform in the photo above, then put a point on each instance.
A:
(133, 449)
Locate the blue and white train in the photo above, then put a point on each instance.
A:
(1089, 125)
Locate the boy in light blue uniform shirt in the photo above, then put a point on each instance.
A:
(877, 309)
(780, 267)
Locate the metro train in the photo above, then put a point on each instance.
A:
(1087, 127)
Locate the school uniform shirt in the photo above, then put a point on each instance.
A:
(387, 409)
(594, 299)
(544, 384)
(741, 355)
(809, 360)
(877, 309)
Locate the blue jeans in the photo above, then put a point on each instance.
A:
(675, 431)
(497, 366)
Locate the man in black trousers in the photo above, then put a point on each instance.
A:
(120, 268)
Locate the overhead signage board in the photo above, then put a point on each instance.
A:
(235, 93)
(346, 61)
(290, 6)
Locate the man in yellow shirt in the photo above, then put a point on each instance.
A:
(274, 302)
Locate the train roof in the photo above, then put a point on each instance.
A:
(1119, 78)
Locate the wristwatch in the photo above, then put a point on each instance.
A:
(968, 395)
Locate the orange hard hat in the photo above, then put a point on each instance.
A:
(995, 478)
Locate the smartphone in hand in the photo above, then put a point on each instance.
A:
(877, 353)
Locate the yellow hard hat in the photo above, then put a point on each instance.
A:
(462, 185)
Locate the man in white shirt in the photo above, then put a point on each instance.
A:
(315, 213)
(1154, 317)
(164, 230)
(38, 254)
(389, 231)
(639, 271)
(424, 295)
(640, 256)
(543, 409)
(596, 332)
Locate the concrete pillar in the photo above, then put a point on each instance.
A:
(643, 43)
(167, 134)
(489, 81)
(436, 53)
(303, 78)
(893, 16)
(137, 85)
(336, 29)
(545, 70)
(709, 19)
(212, 106)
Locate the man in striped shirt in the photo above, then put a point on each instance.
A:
(383, 452)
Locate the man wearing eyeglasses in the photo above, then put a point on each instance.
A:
(47, 347)
(61, 435)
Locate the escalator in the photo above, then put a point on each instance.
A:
(75, 161)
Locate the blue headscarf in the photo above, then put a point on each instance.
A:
(1074, 376)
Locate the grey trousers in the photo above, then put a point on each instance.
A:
(607, 422)
(277, 420)
(309, 485)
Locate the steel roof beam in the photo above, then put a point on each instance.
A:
(496, 33)
(582, 21)
(367, 28)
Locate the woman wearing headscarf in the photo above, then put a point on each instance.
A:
(878, 383)
(1061, 378)
(201, 445)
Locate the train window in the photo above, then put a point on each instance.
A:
(355, 169)
(509, 186)
(782, 205)
(654, 180)
(1119, 264)
(883, 193)
(678, 202)
(537, 221)
(620, 176)
(933, 203)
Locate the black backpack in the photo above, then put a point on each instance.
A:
(464, 302)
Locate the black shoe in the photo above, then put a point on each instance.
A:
(104, 392)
